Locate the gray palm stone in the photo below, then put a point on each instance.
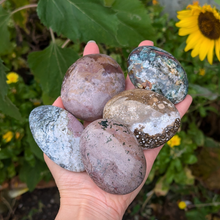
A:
(57, 133)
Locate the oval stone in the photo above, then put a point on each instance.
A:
(89, 83)
(57, 133)
(153, 118)
(154, 69)
(112, 157)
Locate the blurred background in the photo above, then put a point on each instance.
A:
(38, 44)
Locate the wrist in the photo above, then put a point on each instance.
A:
(85, 207)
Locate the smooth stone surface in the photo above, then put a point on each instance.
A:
(57, 133)
(112, 157)
(153, 118)
(154, 69)
(89, 83)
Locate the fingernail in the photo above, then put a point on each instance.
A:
(91, 41)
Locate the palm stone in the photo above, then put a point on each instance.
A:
(153, 118)
(152, 68)
(57, 133)
(112, 156)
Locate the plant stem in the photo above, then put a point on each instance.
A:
(24, 7)
(204, 205)
(52, 35)
(2, 1)
(65, 43)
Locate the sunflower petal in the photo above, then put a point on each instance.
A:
(210, 53)
(195, 51)
(193, 40)
(205, 45)
(217, 48)
(186, 31)
(188, 22)
(196, 34)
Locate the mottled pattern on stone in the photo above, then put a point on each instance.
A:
(89, 83)
(57, 133)
(154, 69)
(112, 157)
(153, 118)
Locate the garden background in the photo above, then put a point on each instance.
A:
(38, 44)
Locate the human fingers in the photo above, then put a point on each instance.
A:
(58, 103)
(128, 83)
(91, 48)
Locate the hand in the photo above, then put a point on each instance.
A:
(80, 198)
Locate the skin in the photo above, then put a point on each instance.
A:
(80, 198)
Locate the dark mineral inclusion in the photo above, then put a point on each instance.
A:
(154, 69)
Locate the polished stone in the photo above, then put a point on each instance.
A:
(154, 69)
(89, 83)
(57, 133)
(112, 156)
(153, 118)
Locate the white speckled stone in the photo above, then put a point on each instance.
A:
(57, 133)
(153, 118)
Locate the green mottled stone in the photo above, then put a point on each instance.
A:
(154, 69)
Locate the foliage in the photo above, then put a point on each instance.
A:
(33, 42)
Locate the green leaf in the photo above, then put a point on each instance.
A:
(178, 164)
(4, 33)
(195, 214)
(49, 67)
(189, 159)
(108, 3)
(32, 175)
(209, 142)
(83, 20)
(3, 84)
(6, 106)
(202, 91)
(217, 1)
(33, 146)
(197, 135)
(134, 24)
(122, 22)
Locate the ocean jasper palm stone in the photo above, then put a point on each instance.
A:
(89, 83)
(112, 156)
(152, 117)
(57, 133)
(154, 69)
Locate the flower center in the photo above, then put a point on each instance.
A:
(209, 25)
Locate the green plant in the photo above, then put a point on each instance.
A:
(41, 46)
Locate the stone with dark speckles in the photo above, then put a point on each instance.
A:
(112, 156)
(153, 118)
(154, 69)
(57, 133)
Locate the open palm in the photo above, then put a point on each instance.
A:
(80, 196)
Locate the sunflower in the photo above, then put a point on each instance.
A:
(202, 24)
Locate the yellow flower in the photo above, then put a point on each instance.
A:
(202, 72)
(37, 103)
(7, 136)
(174, 141)
(202, 24)
(155, 2)
(182, 205)
(12, 77)
(17, 134)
